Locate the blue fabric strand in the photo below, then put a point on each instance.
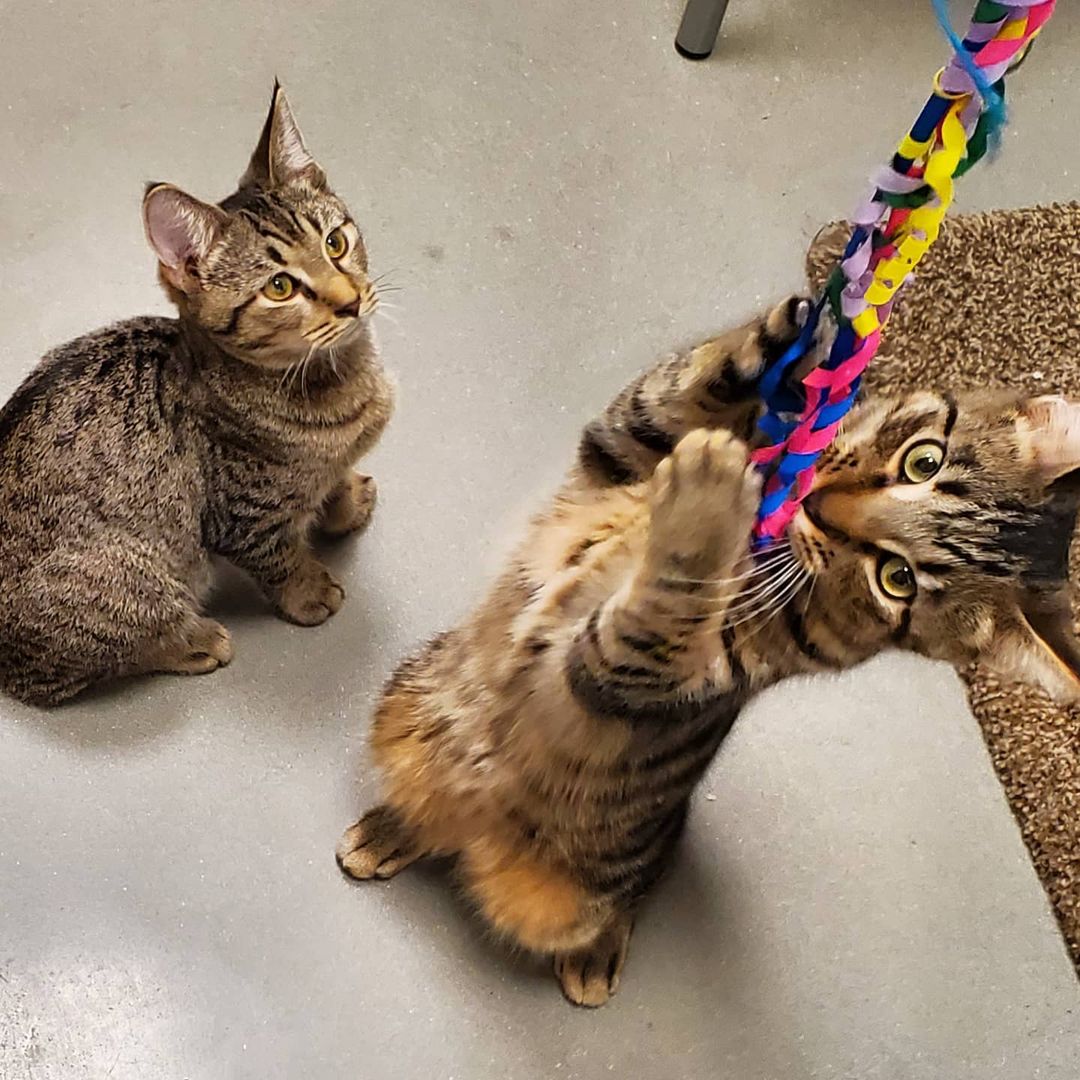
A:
(993, 102)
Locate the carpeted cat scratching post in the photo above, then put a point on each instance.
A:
(997, 303)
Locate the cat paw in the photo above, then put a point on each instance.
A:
(785, 323)
(703, 500)
(205, 648)
(786, 320)
(349, 506)
(377, 846)
(590, 976)
(310, 596)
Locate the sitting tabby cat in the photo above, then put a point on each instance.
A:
(553, 739)
(132, 454)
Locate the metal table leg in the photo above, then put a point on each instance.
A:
(700, 24)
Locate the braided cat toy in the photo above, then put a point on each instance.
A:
(892, 231)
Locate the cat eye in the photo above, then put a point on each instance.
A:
(279, 287)
(896, 578)
(337, 243)
(922, 462)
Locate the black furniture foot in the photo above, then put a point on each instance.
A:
(699, 27)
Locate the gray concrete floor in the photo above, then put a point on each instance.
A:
(563, 199)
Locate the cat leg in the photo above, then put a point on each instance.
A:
(348, 508)
(590, 975)
(653, 656)
(655, 645)
(111, 608)
(711, 386)
(379, 845)
(547, 910)
(276, 553)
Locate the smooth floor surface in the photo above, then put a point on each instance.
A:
(562, 198)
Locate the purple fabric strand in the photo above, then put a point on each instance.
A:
(984, 32)
(888, 179)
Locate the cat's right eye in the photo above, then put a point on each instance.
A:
(896, 578)
(279, 287)
(923, 462)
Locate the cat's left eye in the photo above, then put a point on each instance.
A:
(922, 462)
(280, 287)
(337, 243)
(896, 578)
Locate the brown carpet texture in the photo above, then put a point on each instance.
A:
(997, 303)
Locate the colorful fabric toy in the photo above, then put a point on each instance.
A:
(892, 231)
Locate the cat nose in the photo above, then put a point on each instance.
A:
(816, 509)
(855, 513)
(340, 295)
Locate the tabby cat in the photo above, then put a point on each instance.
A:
(132, 454)
(551, 742)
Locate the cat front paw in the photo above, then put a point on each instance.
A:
(729, 364)
(203, 648)
(349, 507)
(310, 596)
(785, 323)
(703, 500)
(786, 320)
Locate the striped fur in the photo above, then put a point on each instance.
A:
(132, 454)
(552, 740)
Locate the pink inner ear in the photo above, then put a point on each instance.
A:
(1054, 429)
(178, 226)
(168, 228)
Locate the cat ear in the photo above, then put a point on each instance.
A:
(1050, 426)
(1043, 648)
(281, 156)
(181, 230)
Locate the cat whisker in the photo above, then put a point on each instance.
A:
(760, 567)
(294, 371)
(779, 605)
(297, 369)
(780, 599)
(757, 596)
(304, 372)
(763, 596)
(774, 607)
(759, 593)
(384, 275)
(288, 374)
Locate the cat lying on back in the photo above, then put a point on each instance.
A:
(131, 455)
(552, 740)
